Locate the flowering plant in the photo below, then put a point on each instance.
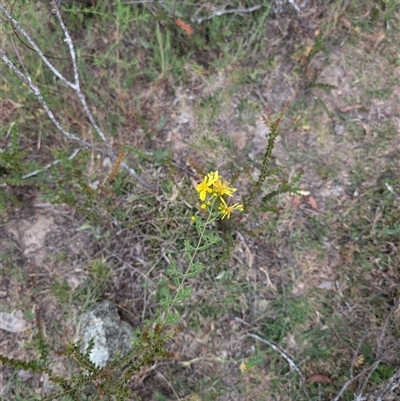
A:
(214, 189)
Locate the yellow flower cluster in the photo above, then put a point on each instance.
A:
(213, 185)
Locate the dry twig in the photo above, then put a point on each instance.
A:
(218, 13)
(280, 351)
(392, 383)
(389, 387)
(74, 85)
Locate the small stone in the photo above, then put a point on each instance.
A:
(339, 129)
(111, 335)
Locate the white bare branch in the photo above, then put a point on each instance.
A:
(218, 13)
(279, 5)
(75, 86)
(280, 351)
(77, 81)
(47, 166)
(34, 46)
(350, 381)
(389, 387)
(284, 355)
(367, 372)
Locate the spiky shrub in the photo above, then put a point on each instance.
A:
(89, 381)
(13, 166)
(273, 125)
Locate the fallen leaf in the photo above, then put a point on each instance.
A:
(243, 367)
(186, 27)
(312, 202)
(265, 216)
(7, 107)
(350, 108)
(345, 22)
(309, 47)
(114, 35)
(379, 39)
(367, 130)
(318, 379)
(295, 202)
(302, 192)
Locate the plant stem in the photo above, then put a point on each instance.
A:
(210, 219)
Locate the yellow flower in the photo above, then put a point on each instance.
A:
(213, 177)
(227, 210)
(205, 186)
(221, 188)
(214, 185)
(203, 189)
(193, 218)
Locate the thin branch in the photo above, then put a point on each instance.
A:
(19, 57)
(390, 386)
(276, 348)
(368, 371)
(388, 317)
(297, 7)
(37, 49)
(132, 267)
(280, 351)
(218, 13)
(47, 166)
(169, 384)
(75, 86)
(379, 351)
(77, 81)
(36, 91)
(356, 354)
(303, 4)
(350, 381)
(294, 5)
